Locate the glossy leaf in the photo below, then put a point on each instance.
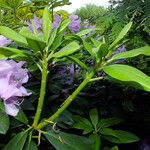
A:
(17, 142)
(83, 124)
(63, 25)
(84, 32)
(94, 116)
(80, 63)
(102, 50)
(121, 34)
(88, 48)
(130, 74)
(13, 35)
(96, 140)
(8, 51)
(52, 37)
(22, 117)
(118, 136)
(65, 141)
(46, 24)
(114, 148)
(132, 53)
(67, 50)
(104, 123)
(4, 119)
(35, 42)
(30, 146)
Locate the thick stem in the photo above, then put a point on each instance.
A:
(67, 101)
(42, 92)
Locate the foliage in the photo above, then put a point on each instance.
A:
(45, 51)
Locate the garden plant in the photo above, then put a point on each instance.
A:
(31, 53)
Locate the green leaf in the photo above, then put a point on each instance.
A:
(132, 53)
(102, 50)
(84, 32)
(8, 51)
(46, 24)
(130, 74)
(63, 25)
(95, 138)
(114, 148)
(4, 119)
(22, 117)
(121, 35)
(118, 136)
(35, 42)
(67, 50)
(65, 141)
(94, 117)
(104, 123)
(80, 63)
(17, 142)
(57, 42)
(52, 37)
(88, 48)
(13, 35)
(83, 124)
(3, 56)
(30, 146)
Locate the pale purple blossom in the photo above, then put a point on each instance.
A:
(118, 51)
(37, 23)
(88, 26)
(12, 78)
(57, 20)
(4, 41)
(74, 24)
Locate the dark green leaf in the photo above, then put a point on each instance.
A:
(95, 138)
(65, 141)
(4, 119)
(104, 123)
(30, 146)
(83, 124)
(80, 63)
(94, 116)
(118, 136)
(22, 117)
(114, 148)
(17, 142)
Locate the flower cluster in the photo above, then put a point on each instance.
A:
(88, 26)
(4, 41)
(12, 78)
(74, 24)
(36, 22)
(57, 20)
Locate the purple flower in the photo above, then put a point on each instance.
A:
(57, 20)
(36, 22)
(4, 41)
(12, 78)
(88, 26)
(74, 24)
(120, 50)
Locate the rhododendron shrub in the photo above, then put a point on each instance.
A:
(50, 48)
